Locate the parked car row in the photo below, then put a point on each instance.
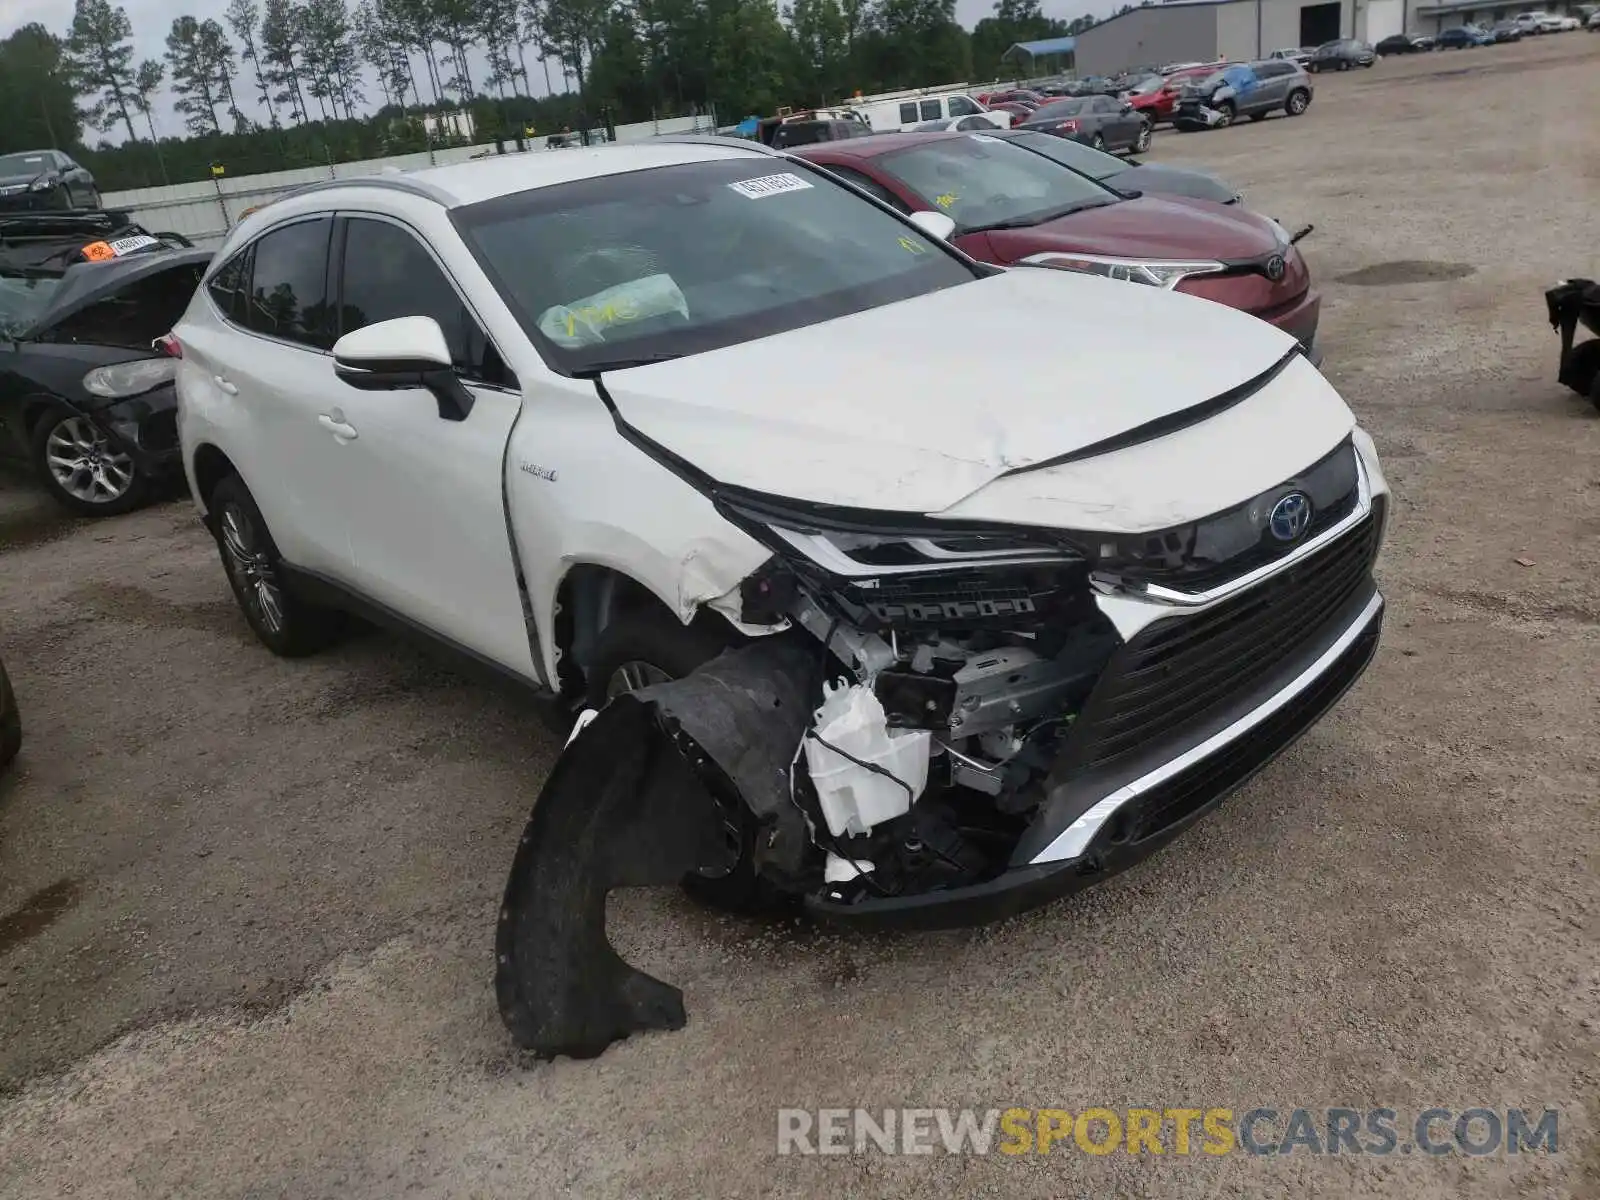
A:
(924, 638)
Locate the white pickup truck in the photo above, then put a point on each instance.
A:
(910, 626)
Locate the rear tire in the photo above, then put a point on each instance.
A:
(1299, 100)
(647, 646)
(1142, 142)
(281, 621)
(1098, 142)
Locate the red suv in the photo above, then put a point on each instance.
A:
(1012, 206)
(1157, 96)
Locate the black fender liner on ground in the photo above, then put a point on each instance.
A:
(631, 802)
(1572, 303)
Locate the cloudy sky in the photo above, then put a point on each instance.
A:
(153, 18)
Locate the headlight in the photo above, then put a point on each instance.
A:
(43, 184)
(121, 380)
(851, 543)
(1161, 273)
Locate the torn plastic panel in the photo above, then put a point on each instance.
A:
(641, 795)
(1571, 303)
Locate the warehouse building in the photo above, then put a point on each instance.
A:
(1237, 30)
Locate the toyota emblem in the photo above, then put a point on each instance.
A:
(1276, 268)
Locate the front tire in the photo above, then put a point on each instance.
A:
(1225, 113)
(650, 646)
(281, 621)
(83, 470)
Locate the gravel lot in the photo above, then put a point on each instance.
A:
(246, 905)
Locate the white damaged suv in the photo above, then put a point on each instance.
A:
(911, 589)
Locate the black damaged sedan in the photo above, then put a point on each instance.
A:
(86, 396)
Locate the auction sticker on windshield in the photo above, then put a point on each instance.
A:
(769, 185)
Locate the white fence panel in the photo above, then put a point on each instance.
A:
(204, 212)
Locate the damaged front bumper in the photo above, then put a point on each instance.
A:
(1023, 722)
(1173, 787)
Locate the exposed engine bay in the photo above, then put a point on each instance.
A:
(910, 725)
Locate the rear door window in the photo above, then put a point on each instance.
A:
(931, 110)
(230, 285)
(869, 185)
(289, 284)
(908, 113)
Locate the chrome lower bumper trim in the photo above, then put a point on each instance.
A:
(1075, 838)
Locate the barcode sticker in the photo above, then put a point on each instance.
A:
(769, 185)
(128, 245)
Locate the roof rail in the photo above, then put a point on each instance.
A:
(907, 94)
(393, 183)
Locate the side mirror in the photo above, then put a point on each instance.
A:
(934, 224)
(1126, 107)
(407, 352)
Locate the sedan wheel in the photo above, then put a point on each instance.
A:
(1142, 142)
(84, 470)
(1098, 142)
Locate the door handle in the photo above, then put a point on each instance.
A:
(335, 424)
(224, 385)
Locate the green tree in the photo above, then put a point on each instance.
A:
(99, 61)
(281, 48)
(822, 48)
(201, 61)
(36, 92)
(331, 54)
(147, 82)
(244, 18)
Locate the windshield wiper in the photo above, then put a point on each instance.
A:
(595, 370)
(1041, 218)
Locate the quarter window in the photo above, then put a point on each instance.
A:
(288, 286)
(387, 273)
(908, 113)
(931, 110)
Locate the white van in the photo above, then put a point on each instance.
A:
(886, 114)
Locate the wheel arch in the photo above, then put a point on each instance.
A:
(588, 598)
(209, 467)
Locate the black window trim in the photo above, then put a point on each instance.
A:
(250, 271)
(336, 286)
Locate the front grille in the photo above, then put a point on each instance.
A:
(1190, 790)
(1177, 671)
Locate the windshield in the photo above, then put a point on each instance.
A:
(23, 164)
(1147, 85)
(22, 299)
(982, 182)
(651, 265)
(1096, 164)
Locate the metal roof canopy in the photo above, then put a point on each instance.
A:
(1042, 48)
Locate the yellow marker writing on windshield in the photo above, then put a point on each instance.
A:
(946, 200)
(914, 247)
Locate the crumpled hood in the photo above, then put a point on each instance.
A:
(1157, 226)
(913, 406)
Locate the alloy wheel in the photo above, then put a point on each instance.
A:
(251, 569)
(85, 465)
